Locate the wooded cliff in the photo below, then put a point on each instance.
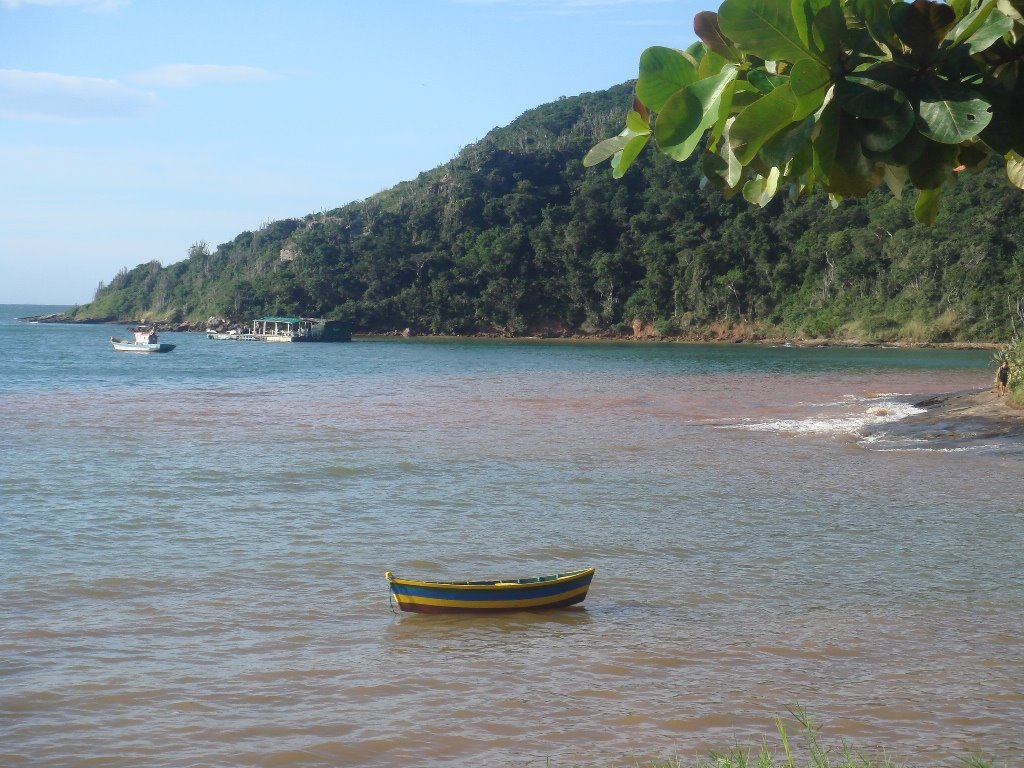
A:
(515, 237)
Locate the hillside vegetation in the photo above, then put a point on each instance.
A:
(515, 237)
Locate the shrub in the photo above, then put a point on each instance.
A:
(1013, 353)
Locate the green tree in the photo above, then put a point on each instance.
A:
(841, 95)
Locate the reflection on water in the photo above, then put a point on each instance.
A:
(205, 585)
(413, 630)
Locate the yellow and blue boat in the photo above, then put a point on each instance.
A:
(556, 591)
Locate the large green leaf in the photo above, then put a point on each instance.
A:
(638, 120)
(696, 50)
(896, 179)
(905, 152)
(625, 158)
(921, 25)
(605, 150)
(974, 157)
(874, 14)
(827, 30)
(885, 133)
(760, 121)
(1015, 169)
(1012, 8)
(766, 28)
(722, 163)
(927, 206)
(743, 94)
(934, 166)
(689, 112)
(995, 26)
(800, 167)
(761, 190)
(705, 25)
(663, 71)
(809, 81)
(865, 97)
(1005, 132)
(736, 97)
(785, 145)
(826, 141)
(636, 127)
(765, 81)
(723, 173)
(961, 7)
(853, 173)
(710, 64)
(969, 24)
(949, 112)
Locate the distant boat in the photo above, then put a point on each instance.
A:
(288, 329)
(226, 335)
(145, 341)
(555, 591)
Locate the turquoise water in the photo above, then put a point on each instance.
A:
(193, 547)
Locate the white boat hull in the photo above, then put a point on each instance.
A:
(124, 346)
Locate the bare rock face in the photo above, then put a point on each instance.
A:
(217, 324)
(62, 317)
(56, 317)
(959, 420)
(642, 330)
(983, 409)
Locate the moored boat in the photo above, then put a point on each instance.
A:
(232, 335)
(145, 341)
(288, 329)
(527, 594)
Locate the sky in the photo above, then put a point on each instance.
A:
(132, 129)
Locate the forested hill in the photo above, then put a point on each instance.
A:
(514, 236)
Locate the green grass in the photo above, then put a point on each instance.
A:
(809, 753)
(1014, 353)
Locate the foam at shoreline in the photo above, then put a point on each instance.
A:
(858, 413)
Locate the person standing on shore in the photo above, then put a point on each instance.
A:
(1002, 377)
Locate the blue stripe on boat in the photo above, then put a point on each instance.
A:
(510, 593)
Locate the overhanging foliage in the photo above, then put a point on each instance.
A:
(841, 95)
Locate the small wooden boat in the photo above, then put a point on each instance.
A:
(556, 591)
(145, 341)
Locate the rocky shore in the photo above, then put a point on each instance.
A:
(737, 335)
(958, 420)
(213, 324)
(953, 420)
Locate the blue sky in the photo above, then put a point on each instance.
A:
(131, 129)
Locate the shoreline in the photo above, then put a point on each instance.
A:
(978, 404)
(706, 337)
(963, 419)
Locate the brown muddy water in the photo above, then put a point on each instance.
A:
(192, 552)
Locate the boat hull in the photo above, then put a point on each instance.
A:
(129, 347)
(543, 592)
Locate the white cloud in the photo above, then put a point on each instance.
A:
(185, 75)
(89, 5)
(560, 5)
(50, 96)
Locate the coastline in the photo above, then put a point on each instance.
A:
(957, 419)
(645, 335)
(981, 404)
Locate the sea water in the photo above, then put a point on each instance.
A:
(192, 549)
